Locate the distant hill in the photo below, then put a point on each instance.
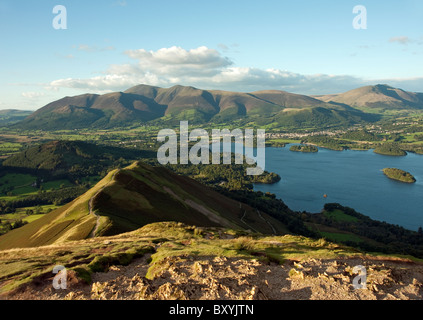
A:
(130, 198)
(144, 103)
(90, 110)
(70, 157)
(11, 116)
(382, 97)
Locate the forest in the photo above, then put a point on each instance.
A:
(390, 149)
(304, 148)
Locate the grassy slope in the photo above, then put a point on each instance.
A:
(69, 222)
(142, 194)
(138, 195)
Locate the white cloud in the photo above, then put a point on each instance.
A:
(32, 95)
(99, 84)
(180, 62)
(401, 40)
(209, 69)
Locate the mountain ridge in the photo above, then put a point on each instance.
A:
(127, 199)
(144, 103)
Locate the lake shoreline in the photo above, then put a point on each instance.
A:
(351, 178)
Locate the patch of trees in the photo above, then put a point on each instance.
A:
(360, 135)
(387, 238)
(7, 226)
(390, 149)
(56, 197)
(232, 177)
(326, 142)
(415, 148)
(399, 175)
(304, 148)
(274, 207)
(413, 129)
(72, 160)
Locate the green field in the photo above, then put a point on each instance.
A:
(7, 148)
(341, 237)
(339, 216)
(33, 217)
(14, 186)
(56, 184)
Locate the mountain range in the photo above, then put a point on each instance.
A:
(143, 104)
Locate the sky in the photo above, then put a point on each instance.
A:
(306, 47)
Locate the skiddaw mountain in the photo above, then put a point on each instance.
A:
(143, 103)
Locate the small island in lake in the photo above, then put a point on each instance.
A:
(399, 175)
(304, 148)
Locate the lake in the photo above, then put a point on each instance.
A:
(351, 178)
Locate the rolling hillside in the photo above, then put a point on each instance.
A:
(11, 116)
(144, 103)
(130, 198)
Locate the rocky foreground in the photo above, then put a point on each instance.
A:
(246, 268)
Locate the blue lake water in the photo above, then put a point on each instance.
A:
(351, 178)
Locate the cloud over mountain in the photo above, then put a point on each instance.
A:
(206, 67)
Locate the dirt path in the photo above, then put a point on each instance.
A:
(267, 221)
(260, 216)
(243, 217)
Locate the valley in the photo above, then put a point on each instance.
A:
(85, 168)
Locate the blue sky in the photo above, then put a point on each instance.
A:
(307, 47)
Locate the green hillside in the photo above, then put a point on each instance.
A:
(379, 99)
(130, 198)
(143, 104)
(75, 158)
(10, 116)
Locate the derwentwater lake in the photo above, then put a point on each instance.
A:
(351, 178)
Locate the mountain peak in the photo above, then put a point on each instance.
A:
(378, 97)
